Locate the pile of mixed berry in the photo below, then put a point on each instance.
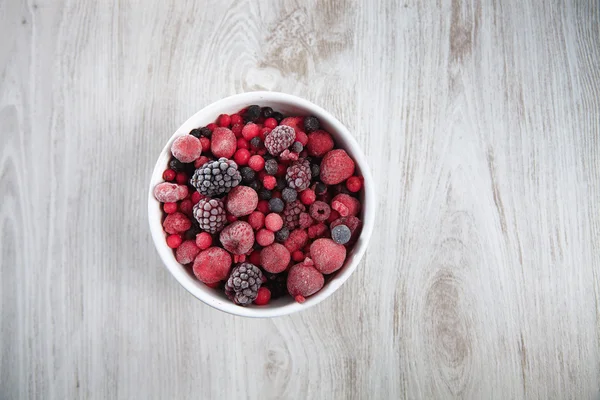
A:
(260, 205)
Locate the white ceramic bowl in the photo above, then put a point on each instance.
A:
(288, 105)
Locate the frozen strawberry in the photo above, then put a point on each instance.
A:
(319, 143)
(304, 280)
(295, 122)
(336, 167)
(166, 192)
(238, 237)
(242, 200)
(327, 255)
(212, 265)
(186, 148)
(223, 143)
(186, 252)
(274, 258)
(176, 223)
(345, 205)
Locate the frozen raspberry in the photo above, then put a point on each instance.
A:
(203, 240)
(273, 222)
(319, 210)
(303, 281)
(170, 208)
(223, 143)
(354, 184)
(265, 237)
(174, 241)
(334, 215)
(294, 122)
(212, 265)
(298, 256)
(186, 148)
(296, 240)
(264, 295)
(279, 139)
(256, 162)
(345, 205)
(307, 197)
(256, 220)
(224, 120)
(319, 143)
(305, 220)
(291, 214)
(166, 192)
(317, 230)
(186, 252)
(352, 222)
(169, 175)
(327, 255)
(298, 175)
(274, 258)
(176, 223)
(250, 131)
(238, 237)
(287, 155)
(336, 167)
(241, 201)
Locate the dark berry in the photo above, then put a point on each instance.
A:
(271, 166)
(196, 133)
(297, 147)
(282, 234)
(315, 170)
(276, 205)
(255, 185)
(311, 124)
(252, 113)
(277, 284)
(216, 177)
(248, 174)
(281, 183)
(267, 112)
(257, 143)
(191, 233)
(205, 132)
(264, 194)
(320, 189)
(341, 234)
(289, 195)
(278, 116)
(256, 246)
(176, 165)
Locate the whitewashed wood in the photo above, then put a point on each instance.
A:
(480, 121)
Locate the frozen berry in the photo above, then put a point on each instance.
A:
(289, 195)
(282, 234)
(319, 143)
(270, 123)
(304, 280)
(263, 206)
(186, 252)
(264, 194)
(237, 131)
(263, 297)
(197, 133)
(241, 156)
(298, 175)
(243, 284)
(279, 139)
(196, 197)
(176, 223)
(266, 112)
(169, 175)
(287, 155)
(327, 255)
(320, 189)
(311, 124)
(352, 222)
(166, 192)
(296, 240)
(294, 122)
(176, 165)
(238, 237)
(200, 161)
(273, 222)
(203, 240)
(336, 167)
(345, 205)
(315, 170)
(186, 148)
(181, 178)
(241, 201)
(265, 237)
(257, 143)
(276, 205)
(278, 116)
(248, 174)
(302, 138)
(224, 120)
(305, 220)
(256, 220)
(319, 210)
(252, 113)
(298, 256)
(307, 197)
(186, 207)
(250, 131)
(269, 182)
(291, 213)
(236, 119)
(256, 162)
(341, 234)
(174, 241)
(170, 208)
(210, 214)
(223, 143)
(271, 166)
(317, 230)
(212, 265)
(243, 144)
(296, 147)
(354, 184)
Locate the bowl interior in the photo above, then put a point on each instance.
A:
(288, 105)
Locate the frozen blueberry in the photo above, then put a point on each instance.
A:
(311, 124)
(252, 113)
(276, 205)
(282, 234)
(248, 174)
(271, 166)
(289, 194)
(341, 234)
(264, 194)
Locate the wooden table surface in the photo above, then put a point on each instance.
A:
(481, 123)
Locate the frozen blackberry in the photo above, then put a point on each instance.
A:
(264, 194)
(267, 112)
(271, 166)
(276, 205)
(248, 174)
(288, 195)
(320, 189)
(282, 234)
(252, 113)
(281, 184)
(255, 185)
(311, 124)
(210, 214)
(196, 133)
(256, 143)
(176, 165)
(298, 175)
(291, 214)
(278, 116)
(216, 177)
(341, 234)
(243, 284)
(279, 139)
(315, 170)
(296, 147)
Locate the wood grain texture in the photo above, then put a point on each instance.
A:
(480, 120)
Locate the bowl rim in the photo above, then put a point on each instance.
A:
(178, 270)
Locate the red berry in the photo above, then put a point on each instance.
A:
(281, 170)
(336, 166)
(236, 119)
(270, 123)
(262, 174)
(224, 120)
(255, 257)
(327, 255)
(263, 296)
(354, 184)
(186, 253)
(263, 206)
(319, 143)
(237, 238)
(237, 130)
(269, 182)
(231, 218)
(242, 200)
(307, 197)
(200, 161)
(256, 163)
(264, 132)
(223, 143)
(170, 208)
(273, 222)
(276, 194)
(274, 258)
(212, 265)
(265, 237)
(333, 216)
(250, 131)
(174, 241)
(166, 192)
(186, 148)
(176, 223)
(186, 207)
(212, 126)
(181, 178)
(196, 197)
(205, 143)
(297, 256)
(203, 240)
(256, 220)
(169, 175)
(243, 144)
(213, 285)
(302, 138)
(241, 156)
